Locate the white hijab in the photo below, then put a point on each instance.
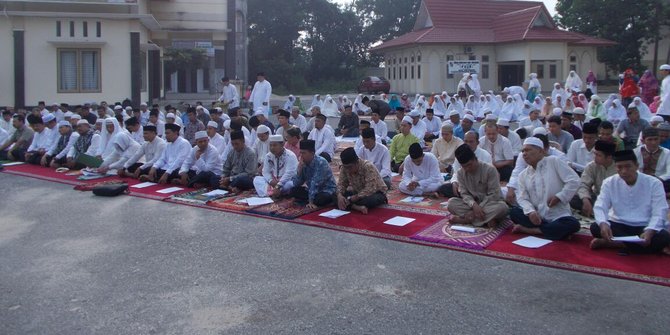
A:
(645, 112)
(329, 108)
(439, 108)
(509, 109)
(616, 112)
(288, 105)
(316, 101)
(106, 143)
(573, 83)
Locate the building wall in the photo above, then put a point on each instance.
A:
(190, 14)
(7, 63)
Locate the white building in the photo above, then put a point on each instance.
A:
(65, 51)
(504, 40)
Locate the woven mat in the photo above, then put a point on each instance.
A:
(232, 202)
(284, 209)
(442, 233)
(90, 186)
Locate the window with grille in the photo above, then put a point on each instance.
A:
(78, 70)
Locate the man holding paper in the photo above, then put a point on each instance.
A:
(360, 187)
(631, 204)
(545, 189)
(421, 174)
(279, 168)
(479, 186)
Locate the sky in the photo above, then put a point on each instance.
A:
(550, 4)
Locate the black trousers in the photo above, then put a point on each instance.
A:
(558, 229)
(505, 172)
(371, 201)
(173, 175)
(395, 166)
(136, 166)
(447, 190)
(35, 158)
(321, 199)
(204, 177)
(243, 183)
(660, 240)
(576, 202)
(19, 155)
(59, 161)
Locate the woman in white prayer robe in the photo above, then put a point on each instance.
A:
(609, 101)
(539, 102)
(559, 102)
(316, 101)
(473, 105)
(439, 108)
(492, 104)
(645, 112)
(124, 147)
(455, 104)
(329, 108)
(110, 128)
(534, 87)
(421, 106)
(475, 86)
(616, 112)
(573, 84)
(288, 105)
(509, 110)
(558, 90)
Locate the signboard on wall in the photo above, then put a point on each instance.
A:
(463, 66)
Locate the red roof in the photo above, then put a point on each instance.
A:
(486, 21)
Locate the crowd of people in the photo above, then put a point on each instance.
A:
(516, 155)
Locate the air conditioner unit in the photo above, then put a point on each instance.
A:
(467, 50)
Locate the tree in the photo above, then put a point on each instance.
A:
(630, 25)
(387, 19)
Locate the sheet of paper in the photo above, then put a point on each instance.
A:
(169, 190)
(13, 163)
(630, 239)
(255, 201)
(399, 221)
(144, 185)
(531, 242)
(334, 213)
(393, 174)
(412, 199)
(215, 193)
(464, 229)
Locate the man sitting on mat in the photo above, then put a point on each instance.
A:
(168, 165)
(421, 174)
(41, 139)
(377, 154)
(323, 137)
(57, 156)
(202, 167)
(400, 144)
(317, 176)
(240, 166)
(631, 203)
(279, 168)
(545, 189)
(87, 144)
(595, 172)
(125, 148)
(471, 138)
(360, 187)
(479, 186)
(151, 150)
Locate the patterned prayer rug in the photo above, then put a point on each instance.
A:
(43, 173)
(284, 209)
(395, 197)
(196, 197)
(442, 233)
(233, 202)
(91, 185)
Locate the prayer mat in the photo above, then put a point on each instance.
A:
(396, 197)
(373, 223)
(43, 173)
(584, 222)
(196, 197)
(233, 202)
(442, 233)
(283, 209)
(574, 254)
(90, 186)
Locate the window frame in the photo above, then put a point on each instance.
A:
(79, 52)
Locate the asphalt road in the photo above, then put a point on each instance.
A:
(72, 263)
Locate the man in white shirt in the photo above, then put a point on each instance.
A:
(203, 166)
(471, 138)
(279, 168)
(546, 187)
(135, 128)
(433, 125)
(262, 144)
(653, 159)
(664, 108)
(421, 174)
(377, 154)
(52, 125)
(260, 94)
(513, 137)
(323, 137)
(41, 139)
(445, 147)
(215, 138)
(559, 135)
(298, 120)
(500, 149)
(418, 127)
(151, 150)
(57, 155)
(581, 151)
(6, 122)
(380, 127)
(167, 166)
(631, 204)
(229, 96)
(532, 121)
(283, 117)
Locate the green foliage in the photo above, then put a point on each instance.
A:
(630, 24)
(308, 45)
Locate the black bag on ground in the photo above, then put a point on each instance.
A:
(110, 190)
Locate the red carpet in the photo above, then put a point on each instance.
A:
(374, 221)
(39, 172)
(575, 254)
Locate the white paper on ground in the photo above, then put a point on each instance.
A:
(464, 229)
(532, 242)
(399, 221)
(169, 190)
(393, 174)
(215, 193)
(144, 185)
(630, 239)
(255, 201)
(334, 213)
(13, 163)
(412, 199)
